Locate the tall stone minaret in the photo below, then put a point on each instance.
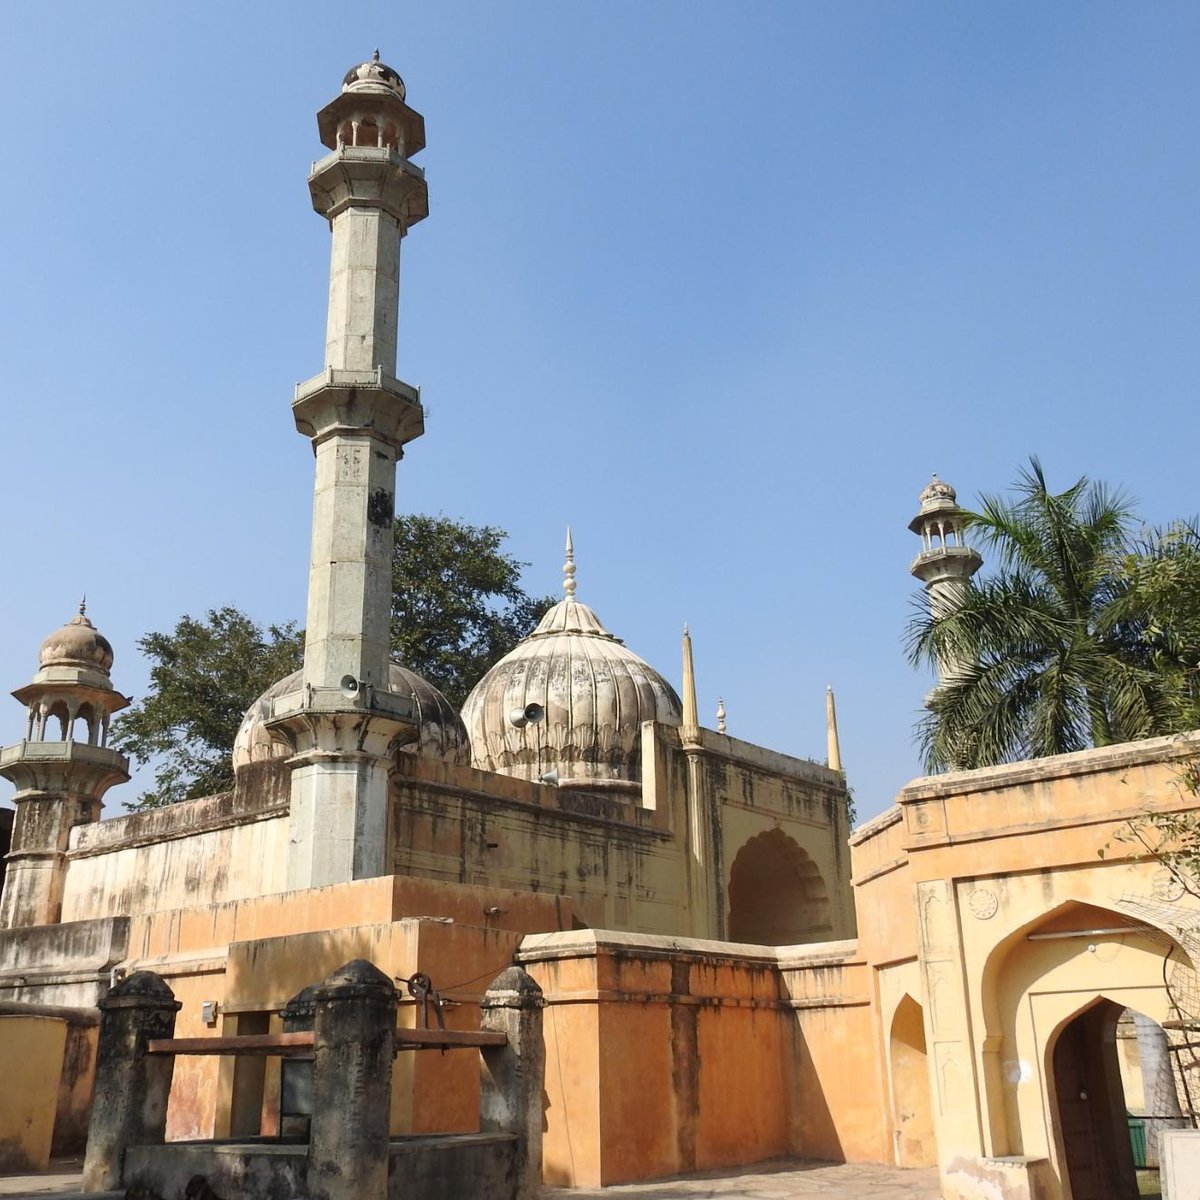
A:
(344, 722)
(946, 563)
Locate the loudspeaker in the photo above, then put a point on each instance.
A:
(550, 777)
(350, 686)
(531, 714)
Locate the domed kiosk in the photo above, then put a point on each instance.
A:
(440, 730)
(586, 692)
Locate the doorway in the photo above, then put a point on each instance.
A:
(1090, 1101)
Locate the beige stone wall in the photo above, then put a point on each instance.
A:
(1013, 926)
(627, 860)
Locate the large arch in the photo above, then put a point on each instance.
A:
(912, 1106)
(1035, 981)
(776, 894)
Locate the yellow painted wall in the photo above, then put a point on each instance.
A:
(31, 1049)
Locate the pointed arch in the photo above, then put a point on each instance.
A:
(777, 896)
(912, 1104)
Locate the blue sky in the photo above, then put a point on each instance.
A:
(717, 284)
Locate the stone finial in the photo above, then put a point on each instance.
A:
(720, 715)
(834, 749)
(569, 569)
(514, 987)
(690, 724)
(301, 1006)
(143, 988)
(357, 977)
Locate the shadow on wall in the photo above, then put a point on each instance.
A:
(6, 824)
(816, 1135)
(776, 894)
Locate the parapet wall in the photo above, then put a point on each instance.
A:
(668, 1055)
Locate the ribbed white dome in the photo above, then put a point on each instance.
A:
(595, 691)
(440, 733)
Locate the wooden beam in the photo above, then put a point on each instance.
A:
(447, 1039)
(285, 1045)
(300, 1045)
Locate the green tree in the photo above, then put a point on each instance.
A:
(1053, 643)
(205, 674)
(457, 601)
(457, 607)
(1158, 610)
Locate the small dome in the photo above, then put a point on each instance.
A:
(595, 692)
(374, 78)
(936, 493)
(77, 644)
(440, 733)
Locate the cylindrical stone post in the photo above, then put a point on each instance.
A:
(295, 1102)
(129, 1103)
(512, 1076)
(354, 1035)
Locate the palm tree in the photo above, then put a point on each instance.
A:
(1049, 660)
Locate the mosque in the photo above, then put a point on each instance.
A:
(731, 974)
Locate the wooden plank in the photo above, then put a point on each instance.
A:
(449, 1039)
(285, 1045)
(300, 1045)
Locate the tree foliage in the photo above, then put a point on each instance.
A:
(205, 674)
(457, 601)
(457, 607)
(1085, 634)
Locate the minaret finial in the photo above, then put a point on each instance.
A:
(720, 715)
(834, 751)
(83, 605)
(569, 569)
(375, 57)
(691, 720)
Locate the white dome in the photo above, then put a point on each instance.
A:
(595, 691)
(440, 731)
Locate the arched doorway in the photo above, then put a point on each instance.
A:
(911, 1105)
(776, 894)
(1090, 1106)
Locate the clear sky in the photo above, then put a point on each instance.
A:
(717, 284)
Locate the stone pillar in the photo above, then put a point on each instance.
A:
(295, 1101)
(354, 1028)
(129, 1104)
(512, 1076)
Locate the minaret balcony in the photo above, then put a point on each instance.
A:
(356, 402)
(369, 177)
(63, 767)
(326, 720)
(946, 562)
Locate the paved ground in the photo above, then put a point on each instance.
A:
(768, 1181)
(777, 1181)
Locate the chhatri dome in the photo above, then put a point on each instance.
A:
(77, 644)
(374, 78)
(440, 730)
(595, 693)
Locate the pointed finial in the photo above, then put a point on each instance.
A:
(720, 715)
(691, 720)
(687, 633)
(834, 752)
(83, 605)
(569, 568)
(375, 58)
